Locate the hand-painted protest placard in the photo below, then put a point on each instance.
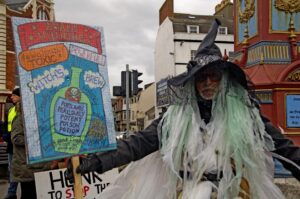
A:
(53, 185)
(65, 90)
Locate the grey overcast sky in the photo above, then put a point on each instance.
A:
(130, 28)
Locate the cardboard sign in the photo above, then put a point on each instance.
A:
(162, 93)
(53, 185)
(65, 89)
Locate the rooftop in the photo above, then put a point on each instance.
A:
(16, 4)
(180, 22)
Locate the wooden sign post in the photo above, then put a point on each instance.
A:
(77, 179)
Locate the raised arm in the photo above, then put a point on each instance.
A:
(135, 147)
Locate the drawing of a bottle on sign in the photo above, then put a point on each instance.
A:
(70, 114)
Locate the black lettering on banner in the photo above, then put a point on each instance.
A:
(55, 194)
(92, 177)
(101, 187)
(58, 195)
(51, 194)
(67, 183)
(87, 177)
(95, 176)
(60, 179)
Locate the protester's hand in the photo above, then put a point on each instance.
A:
(54, 165)
(87, 164)
(69, 171)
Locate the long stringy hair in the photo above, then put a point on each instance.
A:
(233, 142)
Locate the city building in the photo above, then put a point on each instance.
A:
(178, 38)
(146, 107)
(34, 9)
(141, 110)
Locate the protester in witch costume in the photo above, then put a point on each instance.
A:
(211, 141)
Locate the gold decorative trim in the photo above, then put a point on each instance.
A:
(264, 96)
(269, 52)
(237, 7)
(290, 6)
(287, 89)
(222, 5)
(282, 5)
(245, 16)
(248, 13)
(264, 90)
(292, 133)
(294, 76)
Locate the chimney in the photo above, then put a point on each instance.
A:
(166, 10)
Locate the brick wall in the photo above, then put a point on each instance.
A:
(166, 10)
(10, 48)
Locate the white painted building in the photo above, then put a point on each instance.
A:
(179, 35)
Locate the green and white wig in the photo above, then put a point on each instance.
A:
(234, 142)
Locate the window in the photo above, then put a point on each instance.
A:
(222, 30)
(193, 54)
(192, 29)
(124, 115)
(151, 113)
(42, 14)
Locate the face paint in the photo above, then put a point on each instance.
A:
(207, 83)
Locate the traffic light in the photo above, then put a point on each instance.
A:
(117, 91)
(136, 82)
(121, 90)
(123, 83)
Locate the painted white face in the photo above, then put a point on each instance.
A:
(207, 83)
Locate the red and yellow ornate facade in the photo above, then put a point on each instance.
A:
(267, 48)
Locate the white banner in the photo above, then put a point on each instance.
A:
(53, 185)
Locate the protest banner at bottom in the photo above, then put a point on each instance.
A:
(53, 184)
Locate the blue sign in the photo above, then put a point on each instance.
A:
(293, 111)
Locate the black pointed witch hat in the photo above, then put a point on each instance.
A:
(208, 54)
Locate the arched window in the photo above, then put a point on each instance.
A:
(42, 14)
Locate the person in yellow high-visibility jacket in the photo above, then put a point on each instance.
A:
(15, 97)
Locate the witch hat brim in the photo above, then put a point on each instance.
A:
(234, 71)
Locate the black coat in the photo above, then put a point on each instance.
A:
(144, 142)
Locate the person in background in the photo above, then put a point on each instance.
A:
(21, 171)
(211, 142)
(15, 98)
